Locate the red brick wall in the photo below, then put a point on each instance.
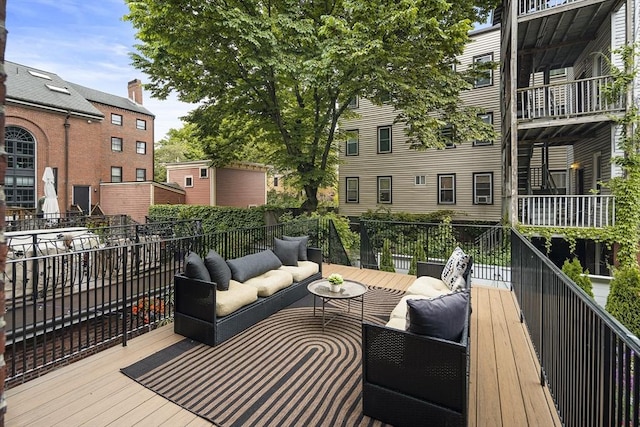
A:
(132, 198)
(3, 168)
(163, 196)
(200, 193)
(90, 156)
(240, 187)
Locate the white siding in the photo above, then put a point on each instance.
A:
(403, 164)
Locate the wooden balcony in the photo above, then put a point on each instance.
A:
(567, 100)
(595, 211)
(504, 386)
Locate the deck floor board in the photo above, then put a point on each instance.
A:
(504, 388)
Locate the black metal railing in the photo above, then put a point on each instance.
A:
(489, 246)
(69, 298)
(588, 359)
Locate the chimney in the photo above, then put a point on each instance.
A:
(135, 91)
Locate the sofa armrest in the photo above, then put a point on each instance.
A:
(430, 268)
(425, 368)
(195, 298)
(315, 255)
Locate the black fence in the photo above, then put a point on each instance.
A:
(588, 359)
(69, 295)
(489, 245)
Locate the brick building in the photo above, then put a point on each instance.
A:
(86, 136)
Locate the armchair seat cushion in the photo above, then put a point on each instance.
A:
(400, 310)
(302, 271)
(428, 286)
(270, 282)
(397, 323)
(236, 297)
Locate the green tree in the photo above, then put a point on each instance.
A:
(573, 270)
(178, 146)
(418, 255)
(279, 75)
(386, 259)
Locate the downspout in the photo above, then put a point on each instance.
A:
(66, 162)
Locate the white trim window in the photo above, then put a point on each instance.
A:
(353, 103)
(353, 189)
(384, 189)
(188, 181)
(384, 139)
(483, 188)
(116, 143)
(141, 147)
(116, 119)
(204, 172)
(447, 189)
(487, 78)
(141, 124)
(352, 145)
(116, 174)
(420, 180)
(487, 118)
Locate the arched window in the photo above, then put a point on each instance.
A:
(21, 168)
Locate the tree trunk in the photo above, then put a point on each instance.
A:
(311, 202)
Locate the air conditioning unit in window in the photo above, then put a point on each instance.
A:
(482, 200)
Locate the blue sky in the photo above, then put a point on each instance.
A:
(84, 42)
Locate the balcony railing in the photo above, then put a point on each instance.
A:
(587, 358)
(526, 7)
(567, 99)
(567, 211)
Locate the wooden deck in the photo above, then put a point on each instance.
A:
(504, 388)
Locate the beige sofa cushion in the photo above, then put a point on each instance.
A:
(237, 296)
(400, 311)
(270, 282)
(397, 323)
(428, 286)
(302, 271)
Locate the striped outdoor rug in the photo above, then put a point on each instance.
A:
(283, 371)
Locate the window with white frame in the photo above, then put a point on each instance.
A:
(559, 178)
(384, 189)
(141, 147)
(384, 139)
(483, 188)
(487, 118)
(204, 172)
(353, 102)
(353, 190)
(116, 174)
(188, 181)
(486, 77)
(141, 174)
(420, 180)
(141, 124)
(116, 119)
(352, 148)
(447, 189)
(116, 143)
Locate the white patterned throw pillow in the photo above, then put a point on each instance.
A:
(455, 267)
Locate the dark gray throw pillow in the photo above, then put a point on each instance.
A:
(440, 317)
(302, 250)
(218, 270)
(248, 266)
(194, 267)
(286, 251)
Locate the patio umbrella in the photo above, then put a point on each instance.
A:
(50, 208)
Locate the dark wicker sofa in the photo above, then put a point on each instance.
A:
(195, 302)
(410, 379)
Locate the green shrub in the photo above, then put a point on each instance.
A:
(386, 261)
(418, 255)
(214, 218)
(623, 302)
(573, 270)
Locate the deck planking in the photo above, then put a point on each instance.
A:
(504, 386)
